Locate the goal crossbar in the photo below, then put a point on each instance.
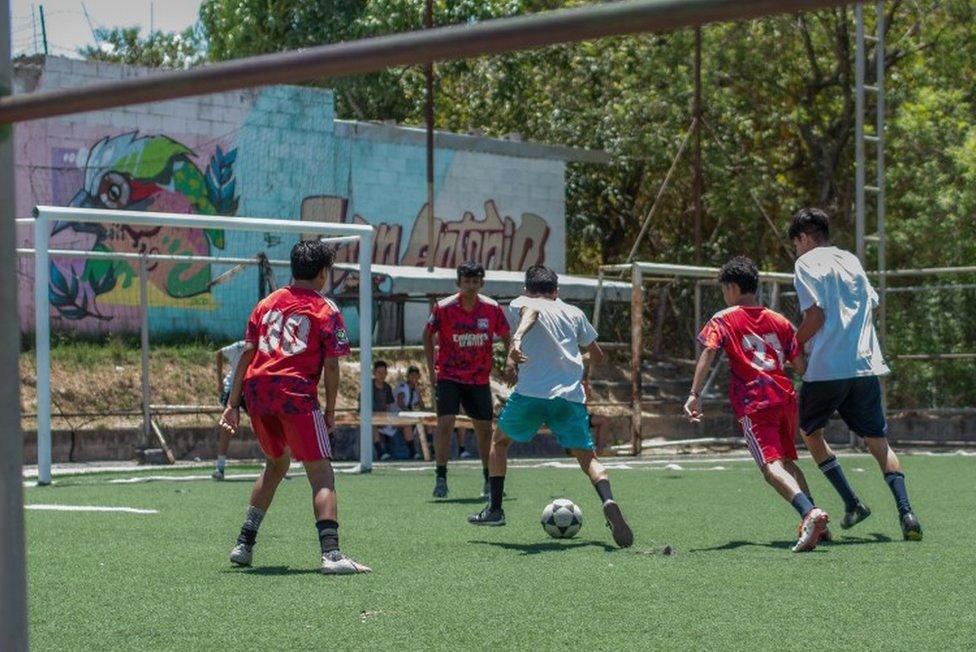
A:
(44, 215)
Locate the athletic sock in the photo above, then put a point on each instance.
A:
(328, 535)
(252, 521)
(496, 489)
(221, 462)
(831, 468)
(411, 448)
(802, 504)
(377, 449)
(441, 471)
(896, 482)
(484, 472)
(603, 490)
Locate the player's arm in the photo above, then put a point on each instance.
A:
(330, 380)
(231, 418)
(527, 319)
(813, 321)
(219, 366)
(594, 355)
(693, 404)
(429, 354)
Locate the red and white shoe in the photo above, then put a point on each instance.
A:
(811, 530)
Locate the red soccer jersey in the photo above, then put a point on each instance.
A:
(758, 342)
(464, 338)
(292, 330)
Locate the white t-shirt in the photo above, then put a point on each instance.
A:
(554, 368)
(846, 346)
(411, 396)
(232, 354)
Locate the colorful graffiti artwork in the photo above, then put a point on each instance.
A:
(143, 173)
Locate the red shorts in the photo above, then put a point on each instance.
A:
(306, 435)
(771, 433)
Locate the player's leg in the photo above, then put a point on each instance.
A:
(519, 421)
(271, 438)
(863, 413)
(223, 445)
(623, 536)
(476, 401)
(818, 402)
(448, 404)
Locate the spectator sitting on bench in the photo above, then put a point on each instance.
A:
(408, 399)
(383, 403)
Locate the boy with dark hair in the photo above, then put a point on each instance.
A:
(844, 362)
(758, 343)
(292, 336)
(465, 324)
(383, 403)
(408, 399)
(550, 389)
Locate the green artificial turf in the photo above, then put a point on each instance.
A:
(147, 582)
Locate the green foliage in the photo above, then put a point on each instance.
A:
(156, 50)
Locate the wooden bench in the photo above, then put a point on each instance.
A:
(422, 420)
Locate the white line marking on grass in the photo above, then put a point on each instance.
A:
(90, 508)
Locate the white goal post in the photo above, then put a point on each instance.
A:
(45, 215)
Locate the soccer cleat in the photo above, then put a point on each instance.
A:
(811, 530)
(385, 457)
(440, 488)
(623, 536)
(827, 536)
(911, 529)
(336, 563)
(465, 455)
(855, 516)
(488, 516)
(241, 554)
(218, 474)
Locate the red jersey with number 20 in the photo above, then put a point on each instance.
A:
(292, 331)
(464, 338)
(758, 342)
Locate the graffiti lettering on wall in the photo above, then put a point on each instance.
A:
(144, 173)
(494, 241)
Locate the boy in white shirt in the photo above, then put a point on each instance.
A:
(232, 355)
(844, 362)
(547, 368)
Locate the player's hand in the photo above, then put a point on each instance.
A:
(693, 408)
(516, 354)
(330, 420)
(800, 364)
(587, 392)
(511, 373)
(230, 419)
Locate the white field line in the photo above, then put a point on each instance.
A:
(89, 508)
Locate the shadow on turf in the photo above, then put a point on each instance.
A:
(873, 538)
(464, 501)
(272, 571)
(549, 546)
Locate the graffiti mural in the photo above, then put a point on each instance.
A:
(143, 173)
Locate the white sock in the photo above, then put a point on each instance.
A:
(221, 462)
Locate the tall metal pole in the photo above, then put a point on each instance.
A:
(429, 74)
(43, 29)
(859, 229)
(13, 594)
(636, 349)
(698, 182)
(879, 130)
(144, 349)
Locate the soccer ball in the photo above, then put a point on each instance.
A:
(562, 519)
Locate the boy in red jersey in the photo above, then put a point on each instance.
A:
(758, 343)
(465, 324)
(293, 334)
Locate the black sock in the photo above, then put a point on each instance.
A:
(603, 490)
(411, 449)
(328, 535)
(252, 521)
(441, 471)
(802, 503)
(496, 487)
(377, 449)
(896, 482)
(484, 472)
(831, 469)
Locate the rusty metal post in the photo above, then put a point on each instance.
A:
(636, 347)
(698, 183)
(429, 111)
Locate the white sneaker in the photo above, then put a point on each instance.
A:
(811, 530)
(336, 563)
(241, 554)
(218, 474)
(466, 455)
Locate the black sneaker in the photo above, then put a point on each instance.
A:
(440, 488)
(855, 516)
(911, 529)
(623, 536)
(488, 516)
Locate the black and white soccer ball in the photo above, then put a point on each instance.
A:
(562, 519)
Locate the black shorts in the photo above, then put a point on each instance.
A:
(475, 399)
(858, 400)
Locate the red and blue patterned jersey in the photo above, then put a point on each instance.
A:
(464, 338)
(758, 342)
(292, 331)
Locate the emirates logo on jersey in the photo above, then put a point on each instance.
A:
(467, 340)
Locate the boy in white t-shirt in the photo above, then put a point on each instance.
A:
(408, 399)
(844, 362)
(231, 354)
(547, 368)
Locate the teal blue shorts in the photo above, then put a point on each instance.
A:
(522, 417)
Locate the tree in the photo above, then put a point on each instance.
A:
(157, 50)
